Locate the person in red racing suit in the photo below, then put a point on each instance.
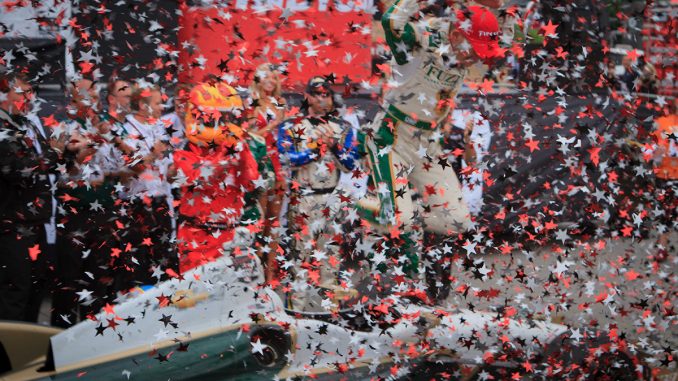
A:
(214, 172)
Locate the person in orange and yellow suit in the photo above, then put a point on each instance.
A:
(214, 170)
(666, 183)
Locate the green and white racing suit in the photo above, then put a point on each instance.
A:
(402, 145)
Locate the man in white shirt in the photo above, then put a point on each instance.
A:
(147, 194)
(480, 137)
(174, 121)
(86, 234)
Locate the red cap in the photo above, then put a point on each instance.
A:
(481, 30)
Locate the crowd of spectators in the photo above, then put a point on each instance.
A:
(119, 196)
(637, 77)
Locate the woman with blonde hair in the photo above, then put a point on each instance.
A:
(266, 109)
(267, 105)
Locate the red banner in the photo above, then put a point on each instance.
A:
(317, 37)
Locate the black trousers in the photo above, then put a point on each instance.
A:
(146, 244)
(22, 279)
(439, 270)
(84, 262)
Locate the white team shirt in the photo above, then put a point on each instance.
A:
(153, 181)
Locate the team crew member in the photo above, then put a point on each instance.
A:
(464, 126)
(174, 121)
(318, 147)
(148, 253)
(87, 211)
(666, 171)
(26, 160)
(213, 172)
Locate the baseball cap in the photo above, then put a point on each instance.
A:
(318, 84)
(481, 29)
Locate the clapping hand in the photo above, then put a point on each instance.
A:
(324, 133)
(469, 149)
(81, 146)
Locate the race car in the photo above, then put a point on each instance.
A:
(218, 322)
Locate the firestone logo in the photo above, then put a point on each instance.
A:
(483, 33)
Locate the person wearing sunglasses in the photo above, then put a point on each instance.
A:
(315, 147)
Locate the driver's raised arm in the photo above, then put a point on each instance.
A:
(399, 32)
